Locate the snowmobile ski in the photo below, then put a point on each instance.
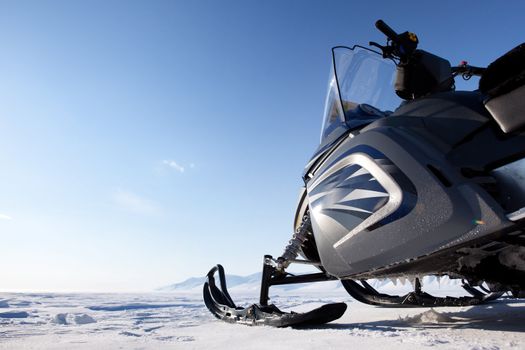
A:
(221, 305)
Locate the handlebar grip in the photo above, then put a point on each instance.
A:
(389, 32)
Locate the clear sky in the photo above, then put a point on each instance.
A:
(142, 142)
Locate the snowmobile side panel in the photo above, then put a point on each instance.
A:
(463, 210)
(503, 150)
(511, 183)
(437, 113)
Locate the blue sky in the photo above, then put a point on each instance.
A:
(143, 142)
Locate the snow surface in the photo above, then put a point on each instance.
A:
(179, 320)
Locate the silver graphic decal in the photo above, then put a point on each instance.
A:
(393, 189)
(364, 165)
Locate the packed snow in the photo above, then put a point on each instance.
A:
(178, 319)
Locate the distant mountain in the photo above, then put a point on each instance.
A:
(197, 282)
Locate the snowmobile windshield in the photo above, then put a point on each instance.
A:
(360, 90)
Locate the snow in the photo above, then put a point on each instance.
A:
(84, 319)
(428, 317)
(60, 319)
(133, 306)
(179, 320)
(513, 258)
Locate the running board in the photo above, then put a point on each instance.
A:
(365, 293)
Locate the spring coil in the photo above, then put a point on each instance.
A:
(291, 251)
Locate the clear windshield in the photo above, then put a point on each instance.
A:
(360, 90)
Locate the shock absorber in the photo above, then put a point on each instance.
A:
(291, 251)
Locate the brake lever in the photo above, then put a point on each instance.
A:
(387, 51)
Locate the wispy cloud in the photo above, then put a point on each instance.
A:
(174, 165)
(5, 217)
(132, 202)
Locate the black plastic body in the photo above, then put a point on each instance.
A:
(444, 146)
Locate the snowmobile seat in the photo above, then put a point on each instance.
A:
(503, 84)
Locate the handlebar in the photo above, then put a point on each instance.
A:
(467, 71)
(415, 65)
(389, 32)
(398, 45)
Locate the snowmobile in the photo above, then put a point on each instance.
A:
(411, 178)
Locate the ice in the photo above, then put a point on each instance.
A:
(84, 319)
(134, 306)
(21, 314)
(513, 258)
(129, 334)
(430, 316)
(181, 321)
(60, 319)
